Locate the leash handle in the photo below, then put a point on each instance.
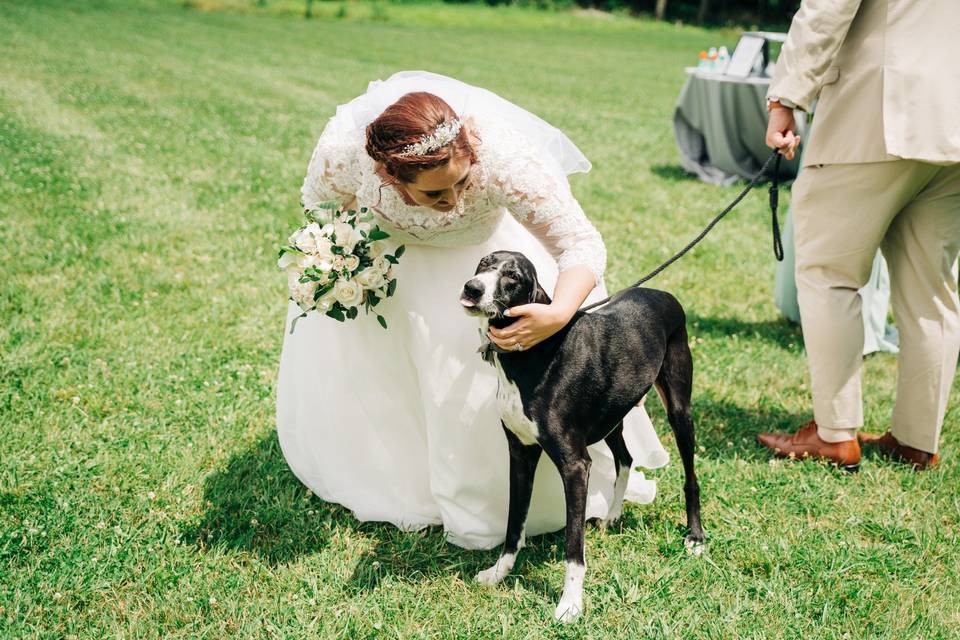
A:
(774, 205)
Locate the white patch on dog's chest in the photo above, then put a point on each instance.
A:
(511, 409)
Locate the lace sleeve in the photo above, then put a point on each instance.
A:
(334, 170)
(540, 198)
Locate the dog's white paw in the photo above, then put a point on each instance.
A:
(571, 602)
(498, 571)
(489, 576)
(568, 611)
(611, 518)
(694, 547)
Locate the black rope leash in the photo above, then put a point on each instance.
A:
(774, 159)
(774, 206)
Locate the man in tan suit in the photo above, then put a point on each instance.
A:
(881, 170)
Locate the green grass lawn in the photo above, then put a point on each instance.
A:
(150, 162)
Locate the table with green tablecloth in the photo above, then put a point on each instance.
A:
(719, 126)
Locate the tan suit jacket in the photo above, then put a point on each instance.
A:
(887, 73)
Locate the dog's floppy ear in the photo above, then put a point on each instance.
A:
(540, 296)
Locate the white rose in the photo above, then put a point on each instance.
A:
(339, 263)
(370, 278)
(381, 264)
(293, 279)
(306, 239)
(288, 259)
(351, 262)
(302, 294)
(308, 260)
(348, 293)
(325, 302)
(347, 236)
(323, 248)
(313, 260)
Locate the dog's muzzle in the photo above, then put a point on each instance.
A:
(472, 299)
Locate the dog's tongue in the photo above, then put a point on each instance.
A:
(468, 303)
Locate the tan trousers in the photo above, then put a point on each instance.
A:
(842, 214)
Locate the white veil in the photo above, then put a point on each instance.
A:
(561, 155)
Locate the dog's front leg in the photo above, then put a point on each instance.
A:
(575, 471)
(523, 467)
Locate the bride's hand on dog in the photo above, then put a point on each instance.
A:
(536, 323)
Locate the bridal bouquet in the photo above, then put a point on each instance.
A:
(338, 262)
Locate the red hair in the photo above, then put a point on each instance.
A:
(405, 122)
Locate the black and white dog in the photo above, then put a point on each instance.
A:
(573, 390)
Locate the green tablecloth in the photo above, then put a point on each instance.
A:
(719, 126)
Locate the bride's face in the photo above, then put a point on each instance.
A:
(442, 187)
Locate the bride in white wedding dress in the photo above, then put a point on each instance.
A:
(402, 425)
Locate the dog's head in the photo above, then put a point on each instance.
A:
(503, 279)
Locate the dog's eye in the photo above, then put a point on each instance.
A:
(512, 276)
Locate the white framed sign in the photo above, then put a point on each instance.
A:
(745, 57)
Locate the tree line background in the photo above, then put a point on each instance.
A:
(698, 11)
(771, 13)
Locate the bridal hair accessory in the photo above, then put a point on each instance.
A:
(443, 135)
(337, 262)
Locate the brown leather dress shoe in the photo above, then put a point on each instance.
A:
(805, 443)
(891, 448)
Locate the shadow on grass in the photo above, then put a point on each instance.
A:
(780, 332)
(725, 428)
(672, 172)
(255, 504)
(425, 554)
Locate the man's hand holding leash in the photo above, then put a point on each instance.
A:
(781, 129)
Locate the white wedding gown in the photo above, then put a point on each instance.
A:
(401, 425)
